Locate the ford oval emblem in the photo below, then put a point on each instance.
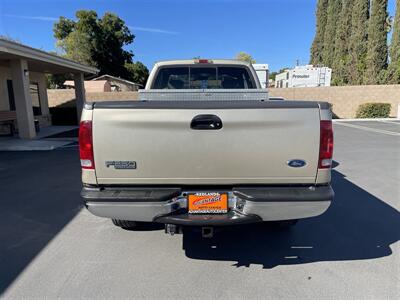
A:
(296, 163)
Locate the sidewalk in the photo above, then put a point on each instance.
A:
(49, 138)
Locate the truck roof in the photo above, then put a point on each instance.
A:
(196, 62)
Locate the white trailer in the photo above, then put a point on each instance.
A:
(304, 76)
(262, 73)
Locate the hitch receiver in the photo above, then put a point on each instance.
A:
(207, 232)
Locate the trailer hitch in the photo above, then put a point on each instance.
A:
(207, 232)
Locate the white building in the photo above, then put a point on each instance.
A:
(262, 73)
(304, 76)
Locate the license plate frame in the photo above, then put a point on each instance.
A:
(207, 203)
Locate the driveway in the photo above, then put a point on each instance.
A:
(52, 247)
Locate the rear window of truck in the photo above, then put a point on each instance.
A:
(203, 78)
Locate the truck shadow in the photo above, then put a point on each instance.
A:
(39, 196)
(356, 226)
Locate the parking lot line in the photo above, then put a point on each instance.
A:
(367, 120)
(390, 122)
(369, 129)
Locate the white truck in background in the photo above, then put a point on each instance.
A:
(205, 147)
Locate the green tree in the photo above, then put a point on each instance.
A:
(77, 46)
(96, 41)
(334, 9)
(139, 72)
(377, 53)
(245, 57)
(394, 66)
(341, 55)
(63, 28)
(272, 75)
(358, 41)
(56, 81)
(318, 43)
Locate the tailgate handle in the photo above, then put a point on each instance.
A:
(206, 122)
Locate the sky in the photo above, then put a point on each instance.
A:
(276, 32)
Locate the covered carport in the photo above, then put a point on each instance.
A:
(18, 63)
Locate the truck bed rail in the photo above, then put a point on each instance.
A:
(206, 104)
(203, 95)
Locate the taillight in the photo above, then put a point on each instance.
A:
(86, 145)
(325, 145)
(203, 61)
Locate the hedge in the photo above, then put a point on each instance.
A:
(373, 110)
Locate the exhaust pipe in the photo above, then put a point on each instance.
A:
(207, 232)
(172, 229)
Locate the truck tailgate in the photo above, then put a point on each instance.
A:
(254, 145)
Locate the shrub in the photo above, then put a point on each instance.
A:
(334, 116)
(373, 110)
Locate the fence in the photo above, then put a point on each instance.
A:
(344, 99)
(66, 98)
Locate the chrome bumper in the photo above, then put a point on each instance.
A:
(265, 204)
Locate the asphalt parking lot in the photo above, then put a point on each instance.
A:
(51, 247)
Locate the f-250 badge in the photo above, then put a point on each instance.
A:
(121, 164)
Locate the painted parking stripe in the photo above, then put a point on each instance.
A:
(390, 122)
(69, 146)
(367, 120)
(369, 129)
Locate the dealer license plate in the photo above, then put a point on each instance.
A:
(208, 203)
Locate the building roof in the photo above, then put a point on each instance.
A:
(105, 76)
(41, 61)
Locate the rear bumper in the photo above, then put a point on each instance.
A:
(246, 204)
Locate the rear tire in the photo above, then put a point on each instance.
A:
(125, 224)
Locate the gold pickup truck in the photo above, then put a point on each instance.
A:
(203, 146)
